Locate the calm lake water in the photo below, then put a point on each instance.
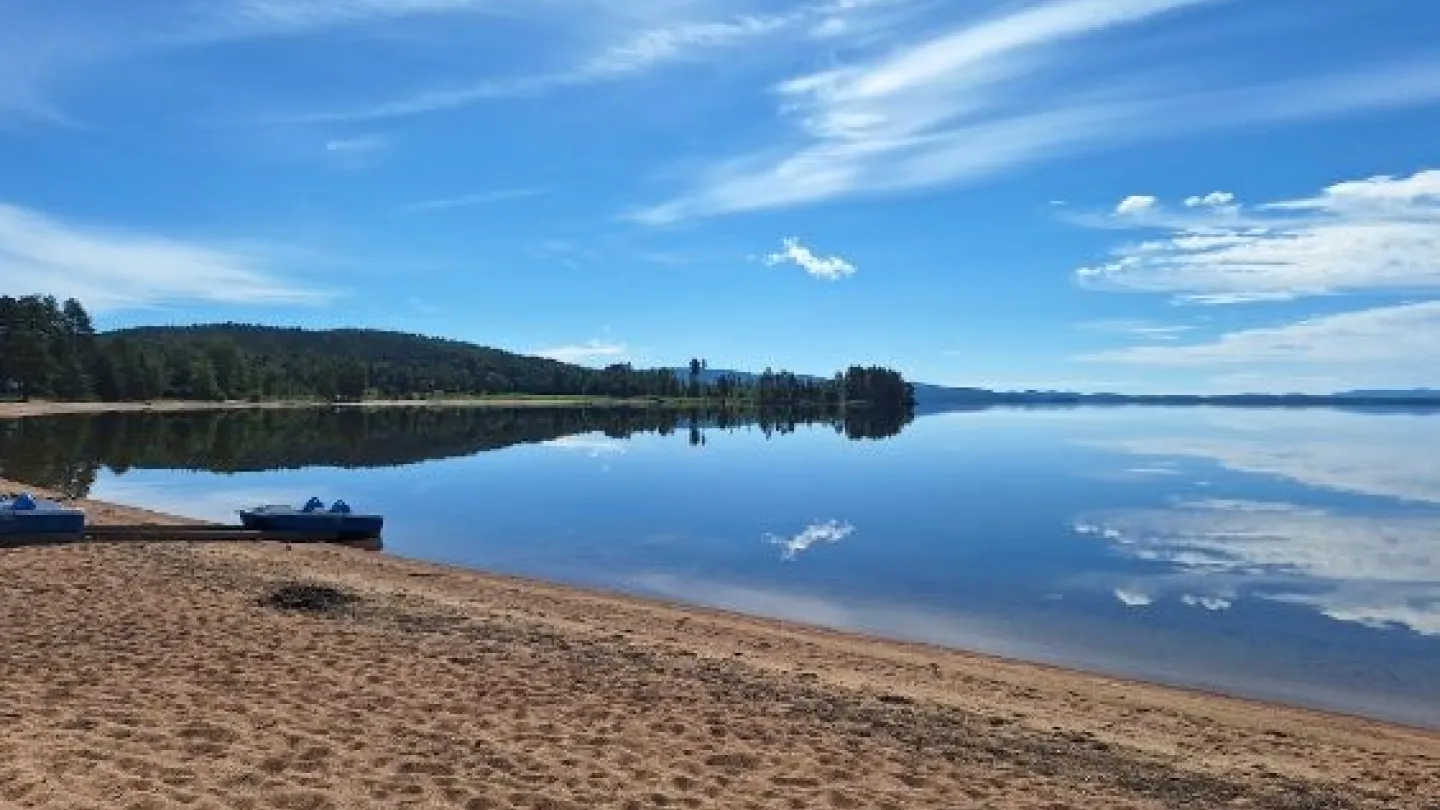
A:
(1285, 554)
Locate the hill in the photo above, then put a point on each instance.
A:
(394, 363)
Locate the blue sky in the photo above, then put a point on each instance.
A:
(1188, 195)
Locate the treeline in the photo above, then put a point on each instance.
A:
(66, 453)
(51, 350)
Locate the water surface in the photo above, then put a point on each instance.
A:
(1291, 555)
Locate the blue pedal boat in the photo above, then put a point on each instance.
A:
(28, 516)
(313, 519)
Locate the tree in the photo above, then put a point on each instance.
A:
(352, 380)
(200, 382)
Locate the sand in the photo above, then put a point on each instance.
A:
(163, 675)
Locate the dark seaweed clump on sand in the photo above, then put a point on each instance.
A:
(309, 597)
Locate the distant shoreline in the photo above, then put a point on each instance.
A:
(15, 409)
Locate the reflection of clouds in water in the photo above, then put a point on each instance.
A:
(831, 531)
(1133, 598)
(212, 502)
(1368, 569)
(1207, 602)
(1367, 454)
(593, 445)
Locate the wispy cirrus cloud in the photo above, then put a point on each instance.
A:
(471, 200)
(50, 48)
(591, 351)
(826, 268)
(673, 41)
(114, 269)
(1380, 233)
(358, 145)
(1139, 329)
(1401, 335)
(260, 18)
(357, 151)
(996, 93)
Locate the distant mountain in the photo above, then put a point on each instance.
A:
(941, 398)
(1413, 393)
(932, 398)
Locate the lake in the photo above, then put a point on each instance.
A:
(1283, 554)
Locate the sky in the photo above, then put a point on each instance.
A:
(1134, 195)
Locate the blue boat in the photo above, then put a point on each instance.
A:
(313, 519)
(28, 516)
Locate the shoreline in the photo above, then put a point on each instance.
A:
(16, 410)
(705, 662)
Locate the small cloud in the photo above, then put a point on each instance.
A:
(362, 145)
(591, 351)
(593, 445)
(1212, 603)
(832, 531)
(1139, 329)
(953, 352)
(828, 268)
(468, 200)
(1135, 204)
(358, 152)
(1133, 598)
(1215, 199)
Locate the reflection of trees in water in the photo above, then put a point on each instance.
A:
(66, 452)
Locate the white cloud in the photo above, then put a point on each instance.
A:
(1382, 233)
(49, 47)
(1135, 204)
(1397, 341)
(468, 200)
(112, 269)
(1214, 199)
(591, 351)
(1139, 329)
(673, 42)
(828, 268)
(1373, 570)
(832, 531)
(593, 445)
(991, 94)
(1133, 598)
(363, 144)
(1211, 603)
(242, 19)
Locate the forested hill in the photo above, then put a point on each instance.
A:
(293, 362)
(52, 350)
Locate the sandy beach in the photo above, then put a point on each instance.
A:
(158, 675)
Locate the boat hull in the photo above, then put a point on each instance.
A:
(318, 524)
(46, 519)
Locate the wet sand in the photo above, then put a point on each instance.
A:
(158, 675)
